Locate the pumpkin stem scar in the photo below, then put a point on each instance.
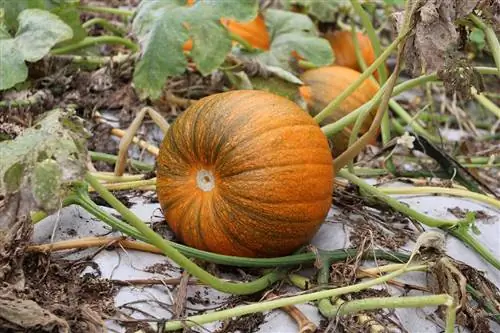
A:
(205, 180)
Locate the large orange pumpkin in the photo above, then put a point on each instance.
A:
(245, 173)
(323, 84)
(344, 50)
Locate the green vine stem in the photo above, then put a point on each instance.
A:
(372, 35)
(398, 109)
(335, 103)
(323, 279)
(106, 10)
(348, 119)
(95, 60)
(458, 228)
(274, 304)
(80, 197)
(443, 190)
(145, 184)
(91, 41)
(373, 303)
(171, 252)
(119, 31)
(108, 158)
(486, 103)
(361, 119)
(109, 177)
(491, 38)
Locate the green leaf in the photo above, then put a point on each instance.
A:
(245, 10)
(67, 10)
(325, 11)
(162, 28)
(162, 54)
(39, 31)
(12, 67)
(13, 8)
(293, 32)
(71, 16)
(46, 159)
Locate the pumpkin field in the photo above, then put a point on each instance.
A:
(249, 166)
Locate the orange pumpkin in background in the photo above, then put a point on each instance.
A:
(245, 173)
(254, 32)
(345, 52)
(323, 84)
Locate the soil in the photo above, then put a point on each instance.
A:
(61, 287)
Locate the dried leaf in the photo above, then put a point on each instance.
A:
(434, 34)
(27, 316)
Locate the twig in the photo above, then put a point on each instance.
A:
(305, 325)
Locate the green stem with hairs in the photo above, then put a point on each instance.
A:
(487, 103)
(80, 197)
(361, 119)
(119, 31)
(398, 109)
(372, 35)
(108, 158)
(458, 228)
(491, 38)
(274, 304)
(91, 41)
(335, 103)
(169, 251)
(377, 48)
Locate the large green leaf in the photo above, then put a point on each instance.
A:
(162, 28)
(39, 31)
(45, 159)
(293, 32)
(12, 66)
(12, 8)
(66, 10)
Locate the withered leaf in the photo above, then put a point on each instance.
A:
(434, 34)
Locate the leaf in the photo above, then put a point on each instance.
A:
(13, 8)
(162, 54)
(12, 67)
(294, 32)
(45, 159)
(162, 28)
(283, 74)
(39, 31)
(71, 16)
(66, 10)
(434, 34)
(325, 11)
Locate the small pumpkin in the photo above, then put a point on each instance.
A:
(245, 173)
(254, 32)
(344, 50)
(323, 84)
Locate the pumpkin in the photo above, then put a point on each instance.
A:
(254, 32)
(344, 50)
(245, 173)
(323, 84)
